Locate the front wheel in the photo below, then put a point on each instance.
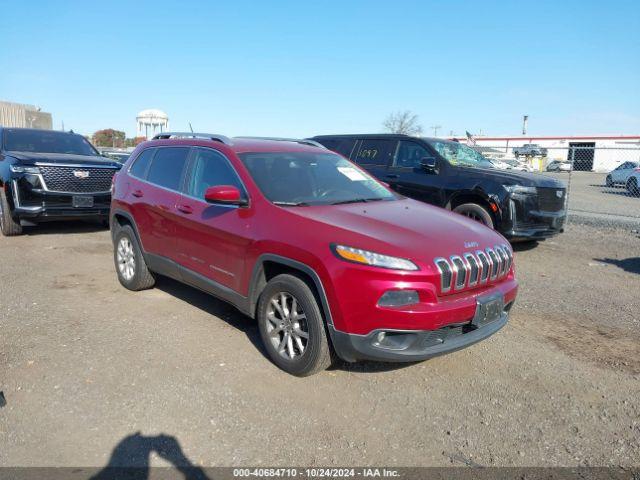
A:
(292, 327)
(8, 225)
(609, 181)
(475, 212)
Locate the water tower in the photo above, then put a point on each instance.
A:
(151, 122)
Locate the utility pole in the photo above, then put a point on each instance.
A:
(435, 129)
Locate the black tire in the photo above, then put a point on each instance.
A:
(8, 225)
(141, 278)
(316, 354)
(632, 187)
(609, 181)
(475, 212)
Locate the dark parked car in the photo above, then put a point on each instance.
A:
(521, 206)
(326, 258)
(51, 175)
(530, 150)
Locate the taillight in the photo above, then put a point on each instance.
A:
(113, 184)
(636, 169)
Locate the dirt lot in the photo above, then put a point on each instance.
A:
(84, 364)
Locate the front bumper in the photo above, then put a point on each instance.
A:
(415, 345)
(527, 221)
(40, 205)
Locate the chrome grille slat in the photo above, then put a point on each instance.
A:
(486, 266)
(474, 270)
(460, 272)
(446, 274)
(495, 261)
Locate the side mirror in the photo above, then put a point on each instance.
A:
(429, 164)
(227, 194)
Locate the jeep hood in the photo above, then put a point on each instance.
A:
(405, 228)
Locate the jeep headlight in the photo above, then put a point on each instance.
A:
(365, 257)
(521, 189)
(21, 169)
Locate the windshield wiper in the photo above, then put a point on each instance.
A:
(291, 204)
(357, 200)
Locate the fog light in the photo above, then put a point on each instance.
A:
(380, 337)
(398, 298)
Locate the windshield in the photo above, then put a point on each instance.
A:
(459, 154)
(302, 178)
(39, 141)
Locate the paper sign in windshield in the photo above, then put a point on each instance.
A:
(352, 174)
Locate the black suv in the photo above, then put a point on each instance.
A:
(521, 206)
(51, 175)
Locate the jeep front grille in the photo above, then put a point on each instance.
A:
(472, 269)
(77, 179)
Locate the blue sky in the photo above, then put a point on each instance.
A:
(299, 68)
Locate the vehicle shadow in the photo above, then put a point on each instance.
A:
(226, 312)
(524, 245)
(54, 228)
(215, 307)
(130, 458)
(631, 265)
(622, 191)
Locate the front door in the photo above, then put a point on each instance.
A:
(408, 177)
(213, 237)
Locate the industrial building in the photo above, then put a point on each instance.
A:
(598, 153)
(24, 116)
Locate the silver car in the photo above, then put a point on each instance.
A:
(621, 174)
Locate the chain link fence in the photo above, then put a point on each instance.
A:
(603, 182)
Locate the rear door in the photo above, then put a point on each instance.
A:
(375, 156)
(213, 238)
(154, 193)
(408, 177)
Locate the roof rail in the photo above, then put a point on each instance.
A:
(302, 141)
(207, 136)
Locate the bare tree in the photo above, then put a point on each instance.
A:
(403, 122)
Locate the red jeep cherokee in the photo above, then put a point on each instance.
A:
(325, 257)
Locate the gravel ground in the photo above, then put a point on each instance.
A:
(87, 366)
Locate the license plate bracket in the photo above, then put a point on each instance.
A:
(488, 309)
(82, 201)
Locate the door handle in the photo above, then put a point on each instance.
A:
(137, 193)
(392, 176)
(186, 209)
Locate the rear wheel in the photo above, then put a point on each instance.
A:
(609, 181)
(475, 212)
(8, 225)
(632, 187)
(130, 265)
(292, 327)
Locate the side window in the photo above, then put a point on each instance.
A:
(410, 154)
(166, 168)
(345, 147)
(209, 169)
(376, 152)
(141, 164)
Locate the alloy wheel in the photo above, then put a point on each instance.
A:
(287, 327)
(126, 258)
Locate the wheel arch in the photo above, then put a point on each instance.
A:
(270, 265)
(120, 218)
